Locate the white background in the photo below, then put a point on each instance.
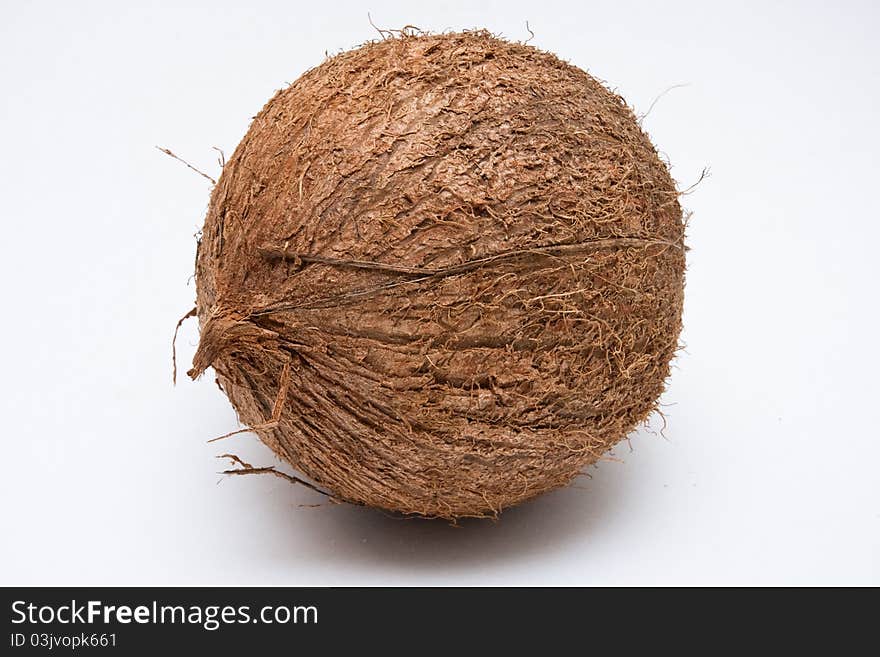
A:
(769, 470)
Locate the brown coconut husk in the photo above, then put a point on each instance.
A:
(441, 274)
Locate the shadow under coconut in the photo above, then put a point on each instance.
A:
(539, 526)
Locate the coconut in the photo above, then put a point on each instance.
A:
(441, 274)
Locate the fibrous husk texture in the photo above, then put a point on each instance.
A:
(451, 269)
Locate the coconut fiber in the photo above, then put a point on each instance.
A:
(441, 274)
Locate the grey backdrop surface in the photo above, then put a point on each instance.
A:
(768, 470)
